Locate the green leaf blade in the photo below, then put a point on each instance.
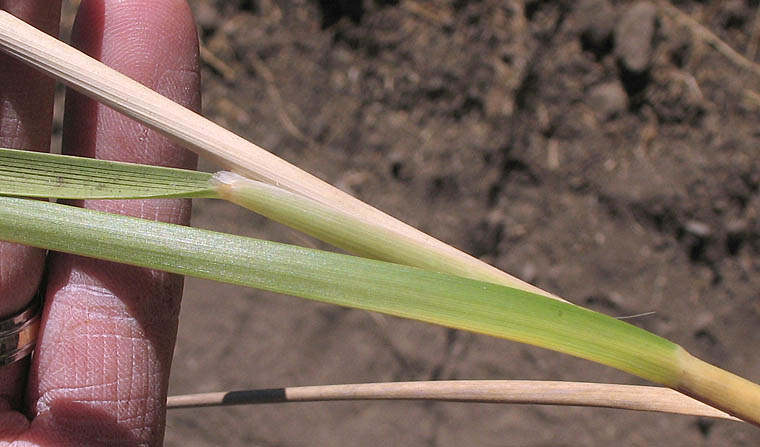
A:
(344, 280)
(33, 174)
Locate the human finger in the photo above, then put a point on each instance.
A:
(26, 115)
(102, 365)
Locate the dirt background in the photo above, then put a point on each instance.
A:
(599, 149)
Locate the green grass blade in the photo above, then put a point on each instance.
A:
(344, 280)
(34, 174)
(393, 289)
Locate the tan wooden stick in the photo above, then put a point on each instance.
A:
(209, 140)
(627, 397)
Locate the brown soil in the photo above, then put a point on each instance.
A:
(596, 148)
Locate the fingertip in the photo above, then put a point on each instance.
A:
(154, 38)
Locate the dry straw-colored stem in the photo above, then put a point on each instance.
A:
(627, 397)
(211, 141)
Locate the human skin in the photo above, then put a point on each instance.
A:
(101, 365)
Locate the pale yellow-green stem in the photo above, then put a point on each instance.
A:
(719, 388)
(336, 227)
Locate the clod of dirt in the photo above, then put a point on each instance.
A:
(596, 22)
(607, 100)
(634, 35)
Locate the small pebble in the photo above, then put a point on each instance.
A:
(607, 100)
(634, 36)
(698, 229)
